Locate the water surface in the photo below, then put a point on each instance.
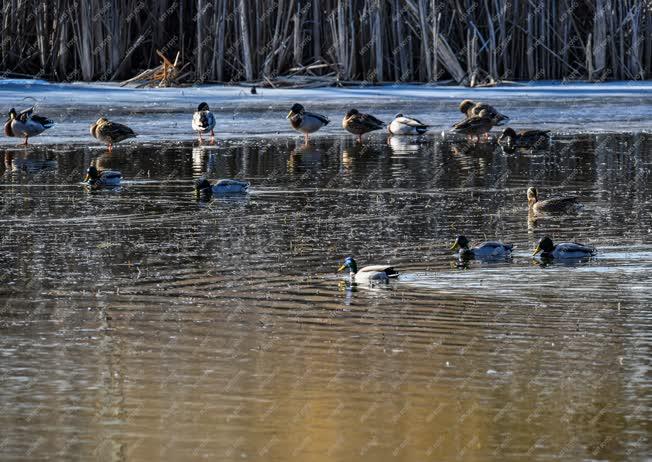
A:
(141, 324)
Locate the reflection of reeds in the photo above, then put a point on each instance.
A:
(468, 41)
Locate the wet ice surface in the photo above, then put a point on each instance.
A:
(141, 324)
(159, 115)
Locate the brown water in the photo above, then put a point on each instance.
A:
(139, 324)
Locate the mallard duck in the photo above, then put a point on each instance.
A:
(306, 122)
(224, 186)
(554, 204)
(489, 249)
(368, 274)
(471, 108)
(511, 140)
(99, 178)
(26, 124)
(203, 121)
(110, 132)
(404, 125)
(359, 124)
(475, 125)
(547, 249)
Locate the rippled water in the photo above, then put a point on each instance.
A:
(140, 324)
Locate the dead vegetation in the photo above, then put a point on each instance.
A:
(327, 42)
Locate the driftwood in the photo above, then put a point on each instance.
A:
(166, 75)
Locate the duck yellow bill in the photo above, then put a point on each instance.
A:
(86, 178)
(289, 114)
(341, 268)
(455, 246)
(537, 250)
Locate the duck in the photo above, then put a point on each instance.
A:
(203, 121)
(554, 204)
(471, 108)
(110, 132)
(475, 125)
(306, 122)
(26, 124)
(100, 178)
(223, 186)
(359, 124)
(512, 140)
(489, 249)
(567, 250)
(368, 274)
(404, 125)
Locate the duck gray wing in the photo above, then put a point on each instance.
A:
(412, 122)
(574, 249)
(322, 118)
(387, 269)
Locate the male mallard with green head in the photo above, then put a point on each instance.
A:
(485, 250)
(565, 250)
(110, 132)
(527, 139)
(306, 122)
(225, 186)
(359, 124)
(26, 124)
(404, 125)
(554, 204)
(203, 121)
(100, 178)
(368, 274)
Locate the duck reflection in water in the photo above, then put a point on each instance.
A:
(304, 157)
(404, 144)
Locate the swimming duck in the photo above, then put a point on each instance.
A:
(306, 122)
(368, 274)
(564, 250)
(512, 140)
(359, 124)
(554, 204)
(224, 186)
(110, 132)
(471, 108)
(203, 121)
(404, 125)
(99, 178)
(26, 124)
(475, 125)
(489, 249)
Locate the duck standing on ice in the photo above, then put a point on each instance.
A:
(306, 122)
(110, 132)
(203, 121)
(26, 124)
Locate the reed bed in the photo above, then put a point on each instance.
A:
(463, 41)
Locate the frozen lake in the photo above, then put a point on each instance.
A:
(164, 114)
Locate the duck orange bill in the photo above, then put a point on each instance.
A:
(341, 268)
(537, 250)
(455, 246)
